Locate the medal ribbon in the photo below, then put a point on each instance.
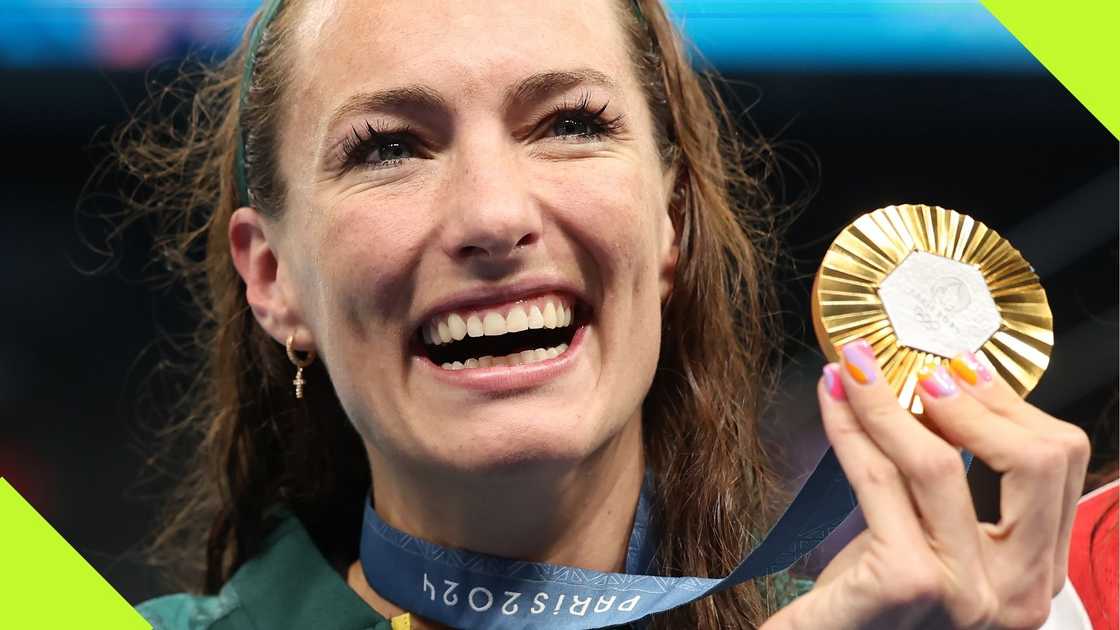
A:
(463, 589)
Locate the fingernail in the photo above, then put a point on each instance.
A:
(936, 381)
(859, 360)
(832, 382)
(969, 368)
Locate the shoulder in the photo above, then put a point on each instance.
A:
(263, 595)
(223, 611)
(183, 611)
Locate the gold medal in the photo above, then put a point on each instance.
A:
(922, 284)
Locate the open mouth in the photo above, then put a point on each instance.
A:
(528, 331)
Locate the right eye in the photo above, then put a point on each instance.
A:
(375, 149)
(389, 151)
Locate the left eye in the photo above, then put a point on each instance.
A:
(572, 126)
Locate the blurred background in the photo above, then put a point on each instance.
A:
(870, 102)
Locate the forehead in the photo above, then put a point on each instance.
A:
(460, 48)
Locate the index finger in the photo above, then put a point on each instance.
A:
(932, 467)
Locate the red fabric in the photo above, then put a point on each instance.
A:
(1093, 555)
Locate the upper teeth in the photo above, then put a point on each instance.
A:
(550, 313)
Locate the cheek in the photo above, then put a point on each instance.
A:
(611, 217)
(611, 210)
(367, 260)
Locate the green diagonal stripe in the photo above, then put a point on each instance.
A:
(44, 583)
(1077, 41)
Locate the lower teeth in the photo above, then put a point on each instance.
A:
(517, 358)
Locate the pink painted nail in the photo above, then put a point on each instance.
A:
(937, 382)
(859, 360)
(863, 346)
(833, 383)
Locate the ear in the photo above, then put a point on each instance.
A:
(668, 233)
(267, 285)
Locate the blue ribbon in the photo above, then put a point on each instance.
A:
(463, 589)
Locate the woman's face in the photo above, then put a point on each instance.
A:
(483, 172)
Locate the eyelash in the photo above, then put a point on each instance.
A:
(357, 147)
(581, 110)
(362, 142)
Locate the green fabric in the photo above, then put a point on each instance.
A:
(289, 586)
(788, 588)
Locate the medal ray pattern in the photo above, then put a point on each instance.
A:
(847, 303)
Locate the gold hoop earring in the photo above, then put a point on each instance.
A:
(299, 363)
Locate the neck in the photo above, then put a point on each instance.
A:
(576, 514)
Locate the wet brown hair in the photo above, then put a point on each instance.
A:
(255, 447)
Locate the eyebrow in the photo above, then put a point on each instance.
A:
(423, 98)
(544, 84)
(417, 97)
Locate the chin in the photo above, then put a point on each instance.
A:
(492, 446)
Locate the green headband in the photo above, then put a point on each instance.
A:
(267, 14)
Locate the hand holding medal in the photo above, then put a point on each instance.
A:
(928, 308)
(931, 283)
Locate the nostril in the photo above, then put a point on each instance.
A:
(470, 251)
(497, 248)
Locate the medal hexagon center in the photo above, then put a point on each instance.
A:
(939, 305)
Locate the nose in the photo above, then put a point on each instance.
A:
(493, 218)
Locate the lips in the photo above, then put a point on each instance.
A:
(517, 332)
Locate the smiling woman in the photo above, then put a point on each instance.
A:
(484, 240)
(515, 256)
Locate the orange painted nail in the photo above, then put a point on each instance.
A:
(859, 360)
(969, 368)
